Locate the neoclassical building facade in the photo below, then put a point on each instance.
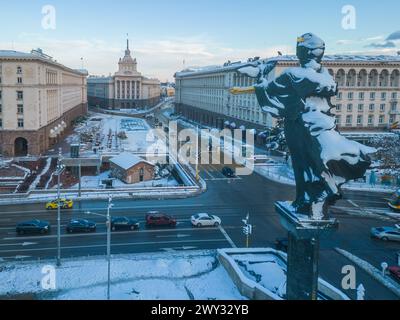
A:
(368, 97)
(39, 101)
(126, 89)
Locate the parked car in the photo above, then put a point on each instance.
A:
(157, 219)
(282, 244)
(228, 172)
(386, 233)
(124, 223)
(64, 204)
(395, 272)
(81, 225)
(33, 227)
(205, 220)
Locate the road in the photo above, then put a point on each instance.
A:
(231, 199)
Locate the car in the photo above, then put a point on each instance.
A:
(205, 220)
(386, 233)
(282, 244)
(65, 204)
(81, 225)
(33, 227)
(395, 272)
(158, 219)
(228, 172)
(394, 203)
(124, 223)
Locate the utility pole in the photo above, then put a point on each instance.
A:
(247, 230)
(59, 170)
(110, 205)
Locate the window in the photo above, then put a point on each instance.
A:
(19, 70)
(394, 107)
(372, 95)
(20, 109)
(340, 96)
(349, 107)
(359, 120)
(1, 123)
(360, 107)
(361, 95)
(1, 108)
(371, 107)
(19, 79)
(338, 107)
(381, 119)
(383, 96)
(350, 95)
(394, 95)
(20, 95)
(349, 120)
(0, 94)
(370, 120)
(382, 107)
(338, 120)
(20, 123)
(392, 118)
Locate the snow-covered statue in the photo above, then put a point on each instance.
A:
(323, 160)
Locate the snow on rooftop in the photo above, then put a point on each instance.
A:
(327, 58)
(127, 160)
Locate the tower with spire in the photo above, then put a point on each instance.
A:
(127, 65)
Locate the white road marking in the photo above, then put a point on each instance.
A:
(227, 237)
(118, 245)
(116, 207)
(353, 203)
(175, 236)
(114, 233)
(24, 244)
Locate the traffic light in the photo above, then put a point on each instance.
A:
(248, 229)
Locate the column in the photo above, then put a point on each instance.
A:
(135, 90)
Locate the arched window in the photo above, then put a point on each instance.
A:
(395, 78)
(384, 78)
(362, 78)
(341, 77)
(351, 78)
(373, 78)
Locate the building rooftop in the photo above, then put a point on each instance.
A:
(36, 54)
(228, 66)
(127, 160)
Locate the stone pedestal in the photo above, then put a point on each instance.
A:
(303, 251)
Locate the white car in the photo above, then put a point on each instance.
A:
(205, 220)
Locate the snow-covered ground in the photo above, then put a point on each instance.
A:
(284, 174)
(93, 182)
(164, 276)
(266, 269)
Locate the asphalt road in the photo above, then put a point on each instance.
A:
(231, 199)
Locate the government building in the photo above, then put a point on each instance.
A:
(39, 101)
(127, 89)
(368, 98)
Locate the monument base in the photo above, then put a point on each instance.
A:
(303, 251)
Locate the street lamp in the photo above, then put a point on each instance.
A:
(108, 224)
(60, 168)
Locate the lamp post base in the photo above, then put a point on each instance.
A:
(303, 251)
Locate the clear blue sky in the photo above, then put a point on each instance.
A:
(164, 33)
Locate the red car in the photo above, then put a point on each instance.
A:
(157, 219)
(395, 272)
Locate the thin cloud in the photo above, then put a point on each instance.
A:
(394, 36)
(156, 58)
(387, 44)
